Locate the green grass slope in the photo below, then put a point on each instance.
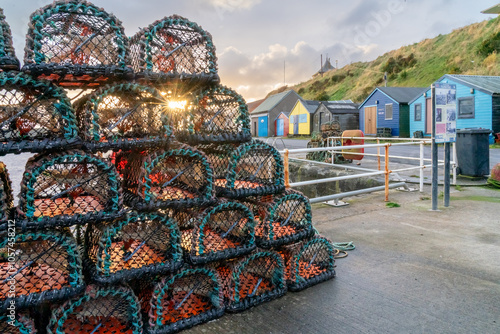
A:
(473, 49)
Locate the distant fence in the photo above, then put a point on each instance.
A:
(365, 172)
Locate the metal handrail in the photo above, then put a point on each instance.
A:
(367, 172)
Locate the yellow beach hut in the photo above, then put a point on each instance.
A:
(301, 117)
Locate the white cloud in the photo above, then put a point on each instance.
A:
(232, 5)
(255, 76)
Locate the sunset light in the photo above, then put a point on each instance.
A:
(177, 104)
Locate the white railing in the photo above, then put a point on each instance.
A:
(365, 172)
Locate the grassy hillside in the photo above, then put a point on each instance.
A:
(469, 50)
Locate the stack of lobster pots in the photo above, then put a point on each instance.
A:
(146, 207)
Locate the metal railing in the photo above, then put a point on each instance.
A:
(365, 172)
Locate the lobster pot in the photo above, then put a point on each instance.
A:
(174, 48)
(253, 280)
(101, 310)
(76, 45)
(281, 219)
(191, 297)
(67, 188)
(6, 197)
(308, 262)
(219, 115)
(250, 169)
(8, 59)
(177, 178)
(35, 116)
(137, 246)
(39, 266)
(220, 232)
(122, 116)
(15, 323)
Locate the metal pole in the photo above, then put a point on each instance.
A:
(454, 149)
(387, 173)
(378, 154)
(421, 167)
(332, 153)
(434, 152)
(286, 168)
(446, 175)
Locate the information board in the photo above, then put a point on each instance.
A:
(445, 100)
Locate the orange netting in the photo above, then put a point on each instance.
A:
(237, 184)
(97, 325)
(32, 279)
(143, 257)
(308, 271)
(70, 80)
(60, 206)
(252, 285)
(278, 230)
(170, 193)
(186, 307)
(212, 242)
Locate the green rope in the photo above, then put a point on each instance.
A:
(494, 182)
(344, 246)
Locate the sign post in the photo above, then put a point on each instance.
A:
(444, 130)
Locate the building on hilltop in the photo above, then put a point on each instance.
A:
(327, 66)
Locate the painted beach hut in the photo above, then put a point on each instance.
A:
(265, 116)
(345, 112)
(301, 117)
(282, 124)
(478, 104)
(388, 107)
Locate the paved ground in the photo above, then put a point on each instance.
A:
(413, 271)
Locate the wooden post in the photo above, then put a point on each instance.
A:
(287, 172)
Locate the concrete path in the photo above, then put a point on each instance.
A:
(413, 271)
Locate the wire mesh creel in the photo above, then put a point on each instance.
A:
(250, 169)
(46, 267)
(123, 116)
(35, 115)
(76, 45)
(219, 232)
(138, 246)
(6, 198)
(252, 280)
(180, 177)
(17, 323)
(101, 310)
(191, 297)
(8, 59)
(218, 115)
(308, 262)
(68, 188)
(281, 219)
(174, 49)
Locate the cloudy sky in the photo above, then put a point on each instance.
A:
(262, 44)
